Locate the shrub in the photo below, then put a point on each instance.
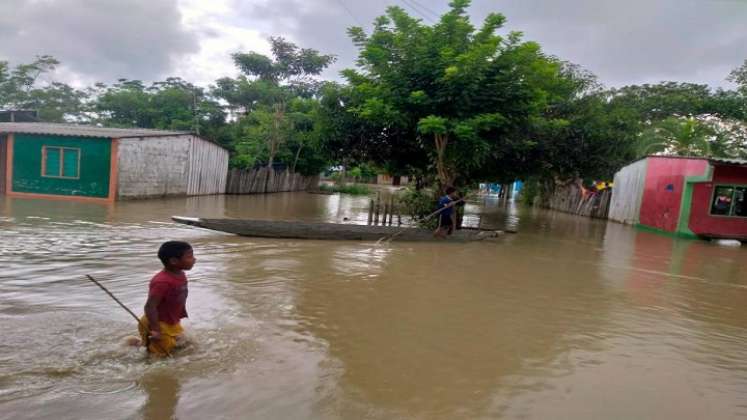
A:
(418, 204)
(352, 189)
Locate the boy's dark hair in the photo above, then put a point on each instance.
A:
(450, 190)
(172, 249)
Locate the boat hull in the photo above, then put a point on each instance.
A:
(328, 231)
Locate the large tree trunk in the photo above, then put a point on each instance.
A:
(295, 160)
(446, 175)
(276, 137)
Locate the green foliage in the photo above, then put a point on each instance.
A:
(689, 136)
(418, 204)
(275, 97)
(432, 125)
(459, 98)
(20, 88)
(529, 192)
(677, 136)
(451, 102)
(739, 76)
(351, 189)
(173, 104)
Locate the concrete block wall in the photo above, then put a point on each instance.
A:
(153, 166)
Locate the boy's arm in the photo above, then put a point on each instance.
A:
(151, 312)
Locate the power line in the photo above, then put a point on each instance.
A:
(427, 9)
(350, 12)
(417, 10)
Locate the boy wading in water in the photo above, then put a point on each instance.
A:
(167, 296)
(446, 217)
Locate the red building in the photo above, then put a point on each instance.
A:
(695, 197)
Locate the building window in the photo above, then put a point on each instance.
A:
(60, 162)
(729, 200)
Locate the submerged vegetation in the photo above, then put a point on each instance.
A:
(352, 189)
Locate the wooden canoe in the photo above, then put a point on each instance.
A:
(328, 231)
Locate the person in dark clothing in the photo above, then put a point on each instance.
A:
(446, 218)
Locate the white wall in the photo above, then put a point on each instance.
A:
(170, 165)
(627, 192)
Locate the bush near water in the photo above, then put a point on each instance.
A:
(352, 189)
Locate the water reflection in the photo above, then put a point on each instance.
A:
(162, 390)
(437, 335)
(570, 318)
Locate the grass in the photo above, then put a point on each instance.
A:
(352, 189)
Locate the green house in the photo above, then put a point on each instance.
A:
(66, 161)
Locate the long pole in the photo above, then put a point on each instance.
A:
(424, 219)
(147, 339)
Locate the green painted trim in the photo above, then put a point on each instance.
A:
(658, 231)
(686, 205)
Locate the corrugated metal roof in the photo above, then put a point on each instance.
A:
(721, 160)
(729, 161)
(84, 130)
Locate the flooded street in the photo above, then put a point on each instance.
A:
(570, 318)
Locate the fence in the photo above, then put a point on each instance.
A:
(384, 211)
(267, 180)
(573, 198)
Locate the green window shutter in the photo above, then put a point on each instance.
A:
(70, 163)
(52, 164)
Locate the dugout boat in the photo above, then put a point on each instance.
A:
(330, 231)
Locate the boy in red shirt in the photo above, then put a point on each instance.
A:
(160, 327)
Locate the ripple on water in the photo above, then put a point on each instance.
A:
(532, 326)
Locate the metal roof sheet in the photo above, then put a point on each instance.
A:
(84, 130)
(729, 161)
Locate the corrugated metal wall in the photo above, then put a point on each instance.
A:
(628, 193)
(208, 168)
(170, 165)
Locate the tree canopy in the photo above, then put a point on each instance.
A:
(450, 102)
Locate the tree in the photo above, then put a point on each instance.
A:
(461, 97)
(21, 88)
(172, 104)
(739, 76)
(677, 136)
(268, 84)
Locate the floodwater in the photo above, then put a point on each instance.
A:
(568, 319)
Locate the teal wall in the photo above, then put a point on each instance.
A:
(95, 163)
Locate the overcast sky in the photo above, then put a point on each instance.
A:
(622, 41)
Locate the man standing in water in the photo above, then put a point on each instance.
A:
(160, 327)
(446, 217)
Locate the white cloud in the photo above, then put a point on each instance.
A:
(219, 36)
(623, 42)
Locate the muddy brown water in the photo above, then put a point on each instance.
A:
(571, 318)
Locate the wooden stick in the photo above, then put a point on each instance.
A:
(376, 211)
(147, 341)
(423, 220)
(391, 210)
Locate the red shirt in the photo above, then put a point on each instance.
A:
(172, 289)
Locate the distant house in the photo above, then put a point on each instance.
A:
(396, 180)
(18, 116)
(695, 197)
(78, 162)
